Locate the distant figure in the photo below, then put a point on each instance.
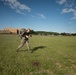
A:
(24, 39)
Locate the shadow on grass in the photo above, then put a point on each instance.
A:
(36, 48)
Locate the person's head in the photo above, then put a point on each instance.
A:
(28, 30)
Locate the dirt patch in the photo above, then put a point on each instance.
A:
(36, 64)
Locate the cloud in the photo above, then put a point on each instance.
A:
(61, 1)
(69, 10)
(68, 7)
(74, 15)
(16, 5)
(70, 22)
(18, 11)
(41, 16)
(32, 16)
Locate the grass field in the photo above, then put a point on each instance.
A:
(52, 55)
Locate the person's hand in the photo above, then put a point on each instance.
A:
(30, 35)
(27, 36)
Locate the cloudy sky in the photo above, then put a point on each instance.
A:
(39, 15)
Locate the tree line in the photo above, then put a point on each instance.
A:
(51, 33)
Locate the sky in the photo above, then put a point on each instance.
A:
(39, 15)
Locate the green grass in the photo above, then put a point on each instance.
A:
(52, 55)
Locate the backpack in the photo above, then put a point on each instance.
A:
(21, 32)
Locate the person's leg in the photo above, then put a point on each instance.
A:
(21, 45)
(28, 46)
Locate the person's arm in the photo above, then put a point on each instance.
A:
(27, 36)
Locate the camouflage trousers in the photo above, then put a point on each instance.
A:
(23, 41)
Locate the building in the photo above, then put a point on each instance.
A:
(10, 30)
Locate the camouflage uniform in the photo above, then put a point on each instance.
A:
(24, 40)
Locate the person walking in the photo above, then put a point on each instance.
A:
(24, 39)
